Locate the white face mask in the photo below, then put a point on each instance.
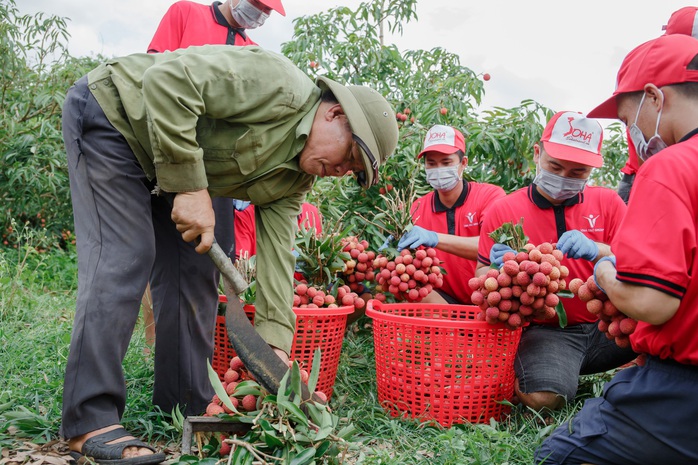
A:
(558, 187)
(646, 149)
(247, 15)
(443, 179)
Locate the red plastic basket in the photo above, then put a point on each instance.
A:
(315, 328)
(438, 363)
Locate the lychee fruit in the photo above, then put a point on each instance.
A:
(249, 402)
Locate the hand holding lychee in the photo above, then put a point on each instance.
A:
(612, 322)
(524, 288)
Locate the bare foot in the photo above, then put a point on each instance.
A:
(76, 443)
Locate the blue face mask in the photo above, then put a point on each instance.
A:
(646, 149)
(247, 15)
(558, 187)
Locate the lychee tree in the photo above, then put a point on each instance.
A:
(425, 87)
(36, 72)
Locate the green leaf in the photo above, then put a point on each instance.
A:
(305, 457)
(282, 394)
(315, 371)
(247, 387)
(322, 448)
(326, 428)
(296, 383)
(218, 387)
(561, 314)
(241, 456)
(565, 294)
(188, 459)
(347, 432)
(295, 412)
(269, 434)
(315, 412)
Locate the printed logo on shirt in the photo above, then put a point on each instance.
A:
(472, 219)
(591, 219)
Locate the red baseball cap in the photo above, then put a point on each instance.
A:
(683, 21)
(572, 137)
(443, 139)
(274, 5)
(662, 61)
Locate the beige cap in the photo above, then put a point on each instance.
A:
(372, 121)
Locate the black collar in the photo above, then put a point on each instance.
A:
(541, 202)
(220, 19)
(689, 135)
(440, 207)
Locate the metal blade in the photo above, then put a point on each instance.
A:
(259, 358)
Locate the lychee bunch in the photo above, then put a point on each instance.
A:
(612, 322)
(359, 267)
(307, 296)
(236, 374)
(410, 276)
(524, 288)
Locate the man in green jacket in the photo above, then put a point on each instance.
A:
(195, 123)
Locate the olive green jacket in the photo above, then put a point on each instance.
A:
(231, 120)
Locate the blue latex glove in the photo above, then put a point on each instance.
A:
(611, 259)
(240, 205)
(418, 236)
(574, 244)
(497, 252)
(387, 242)
(299, 263)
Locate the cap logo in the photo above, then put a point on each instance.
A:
(437, 137)
(577, 135)
(440, 135)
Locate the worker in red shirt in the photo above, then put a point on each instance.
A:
(647, 413)
(246, 231)
(682, 21)
(449, 217)
(188, 23)
(180, 362)
(558, 207)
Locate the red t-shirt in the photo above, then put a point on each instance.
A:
(596, 212)
(310, 218)
(246, 230)
(632, 164)
(464, 220)
(188, 24)
(657, 247)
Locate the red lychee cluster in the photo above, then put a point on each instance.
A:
(360, 267)
(524, 288)
(410, 276)
(232, 377)
(306, 296)
(243, 403)
(612, 322)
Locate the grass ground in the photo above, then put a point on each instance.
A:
(37, 297)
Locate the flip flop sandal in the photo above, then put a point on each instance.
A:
(98, 451)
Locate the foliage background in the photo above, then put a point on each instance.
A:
(347, 45)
